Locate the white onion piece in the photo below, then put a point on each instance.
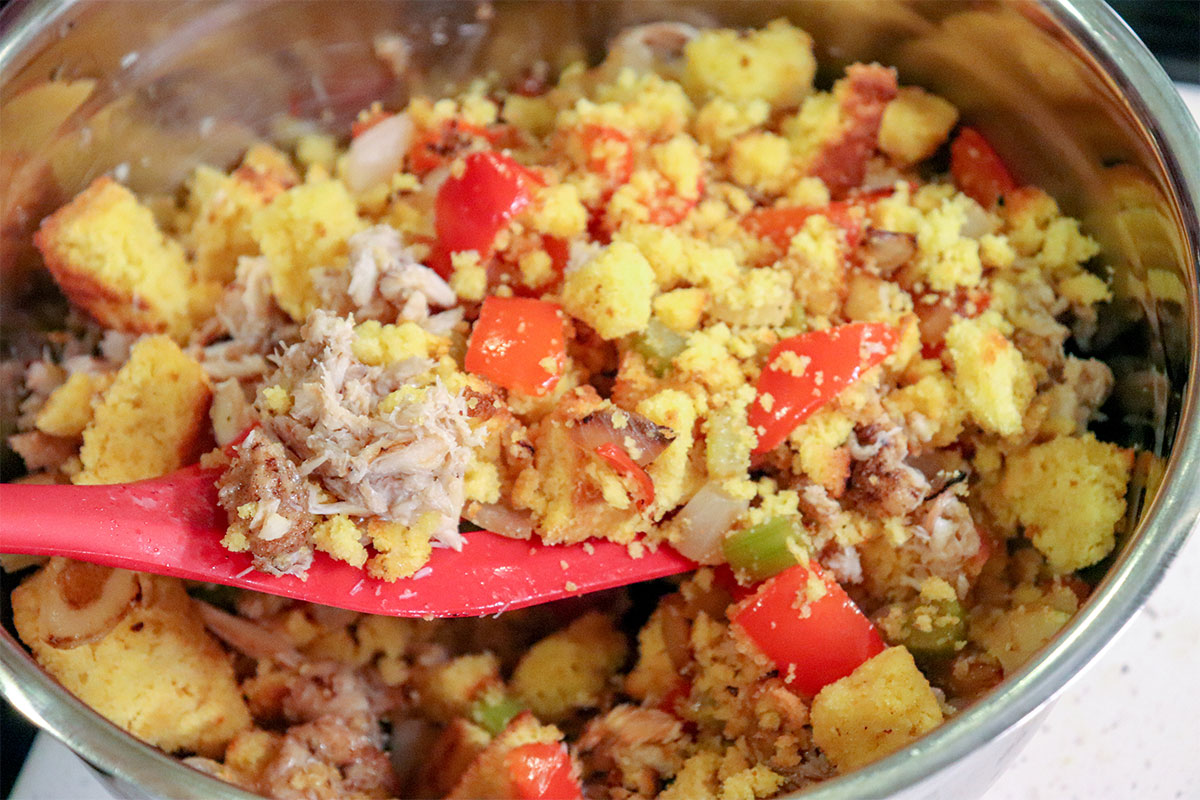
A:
(86, 602)
(889, 250)
(977, 221)
(248, 637)
(501, 519)
(378, 153)
(648, 46)
(702, 524)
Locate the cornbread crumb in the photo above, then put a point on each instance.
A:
(400, 550)
(302, 230)
(341, 538)
(1069, 494)
(569, 670)
(775, 64)
(990, 374)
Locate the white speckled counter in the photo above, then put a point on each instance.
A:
(1127, 729)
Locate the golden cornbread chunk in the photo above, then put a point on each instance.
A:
(775, 64)
(221, 207)
(109, 257)
(68, 410)
(612, 292)
(152, 419)
(156, 673)
(990, 375)
(877, 709)
(570, 669)
(1069, 494)
(488, 775)
(299, 231)
(914, 125)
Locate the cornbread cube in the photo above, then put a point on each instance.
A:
(299, 231)
(569, 669)
(990, 374)
(880, 707)
(488, 775)
(914, 125)
(1069, 493)
(612, 292)
(68, 409)
(151, 421)
(157, 673)
(109, 257)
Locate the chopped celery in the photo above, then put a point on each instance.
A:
(727, 448)
(763, 551)
(658, 344)
(494, 711)
(931, 630)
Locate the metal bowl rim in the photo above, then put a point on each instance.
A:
(1160, 534)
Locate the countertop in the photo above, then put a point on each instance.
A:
(1127, 727)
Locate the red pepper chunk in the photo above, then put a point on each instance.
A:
(518, 343)
(616, 457)
(779, 224)
(473, 207)
(977, 169)
(809, 627)
(820, 365)
(542, 771)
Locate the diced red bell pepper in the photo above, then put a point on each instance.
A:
(473, 207)
(366, 121)
(822, 364)
(542, 771)
(977, 169)
(436, 146)
(619, 459)
(808, 626)
(609, 153)
(518, 343)
(779, 224)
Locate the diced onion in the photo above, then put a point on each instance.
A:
(87, 602)
(642, 439)
(500, 519)
(378, 153)
(889, 250)
(702, 524)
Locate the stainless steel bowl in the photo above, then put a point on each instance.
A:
(1068, 94)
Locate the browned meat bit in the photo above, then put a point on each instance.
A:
(41, 451)
(328, 759)
(881, 483)
(632, 751)
(863, 95)
(267, 503)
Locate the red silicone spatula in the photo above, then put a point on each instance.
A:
(173, 526)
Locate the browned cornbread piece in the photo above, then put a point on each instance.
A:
(156, 673)
(151, 421)
(109, 257)
(880, 707)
